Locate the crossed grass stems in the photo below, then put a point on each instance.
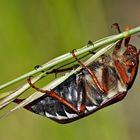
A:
(101, 47)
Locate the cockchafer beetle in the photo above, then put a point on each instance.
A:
(104, 82)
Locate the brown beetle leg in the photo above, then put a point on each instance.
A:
(54, 95)
(116, 25)
(82, 107)
(117, 63)
(105, 76)
(127, 39)
(121, 71)
(93, 76)
(133, 74)
(118, 45)
(81, 94)
(126, 79)
(119, 66)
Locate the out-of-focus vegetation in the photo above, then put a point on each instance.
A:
(33, 32)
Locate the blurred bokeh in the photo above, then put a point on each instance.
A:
(33, 32)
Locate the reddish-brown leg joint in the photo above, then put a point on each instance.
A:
(127, 39)
(93, 76)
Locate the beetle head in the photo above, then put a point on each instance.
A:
(131, 56)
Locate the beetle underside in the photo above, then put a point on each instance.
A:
(79, 89)
(104, 82)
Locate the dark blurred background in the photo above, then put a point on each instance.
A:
(33, 32)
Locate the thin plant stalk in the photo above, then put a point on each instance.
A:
(67, 56)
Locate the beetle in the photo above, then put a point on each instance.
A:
(104, 82)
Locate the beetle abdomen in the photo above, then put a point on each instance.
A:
(75, 89)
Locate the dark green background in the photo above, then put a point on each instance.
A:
(35, 31)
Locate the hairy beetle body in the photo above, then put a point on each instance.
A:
(104, 82)
(76, 87)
